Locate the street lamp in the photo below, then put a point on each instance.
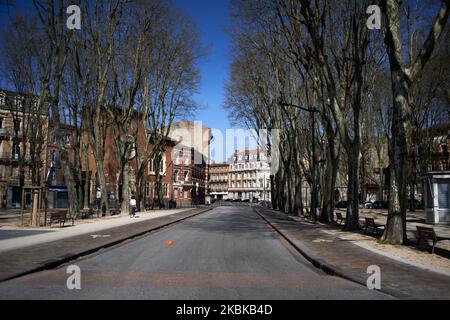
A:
(313, 155)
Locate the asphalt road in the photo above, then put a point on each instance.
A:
(227, 253)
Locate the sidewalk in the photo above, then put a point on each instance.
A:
(12, 237)
(413, 219)
(23, 255)
(343, 258)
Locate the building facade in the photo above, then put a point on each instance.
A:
(249, 176)
(17, 130)
(112, 171)
(189, 177)
(191, 162)
(218, 181)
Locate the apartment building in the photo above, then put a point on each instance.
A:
(191, 162)
(249, 176)
(15, 136)
(189, 177)
(218, 181)
(54, 178)
(111, 167)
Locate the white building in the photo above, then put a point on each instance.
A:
(249, 176)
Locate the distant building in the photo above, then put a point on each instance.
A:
(189, 178)
(218, 181)
(191, 162)
(249, 176)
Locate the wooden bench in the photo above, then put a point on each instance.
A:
(339, 218)
(115, 211)
(60, 217)
(87, 213)
(426, 233)
(373, 227)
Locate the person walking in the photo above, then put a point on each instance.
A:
(133, 207)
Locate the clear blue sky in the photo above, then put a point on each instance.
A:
(211, 17)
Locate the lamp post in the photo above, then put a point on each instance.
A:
(313, 154)
(314, 170)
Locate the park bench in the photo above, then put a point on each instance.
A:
(60, 217)
(115, 211)
(339, 218)
(87, 213)
(428, 234)
(373, 227)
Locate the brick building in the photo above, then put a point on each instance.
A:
(189, 177)
(191, 162)
(111, 168)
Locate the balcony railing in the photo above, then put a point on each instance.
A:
(8, 156)
(9, 132)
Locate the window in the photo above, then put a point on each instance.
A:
(53, 138)
(2, 99)
(67, 139)
(152, 165)
(175, 176)
(186, 176)
(53, 157)
(1, 123)
(18, 102)
(53, 178)
(15, 151)
(16, 125)
(443, 193)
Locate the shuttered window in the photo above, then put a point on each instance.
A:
(444, 193)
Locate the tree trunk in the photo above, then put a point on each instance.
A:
(352, 219)
(87, 181)
(326, 215)
(71, 185)
(101, 182)
(273, 192)
(125, 206)
(396, 223)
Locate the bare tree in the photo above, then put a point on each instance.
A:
(402, 78)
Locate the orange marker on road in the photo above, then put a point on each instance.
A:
(169, 243)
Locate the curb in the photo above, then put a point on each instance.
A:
(52, 264)
(329, 268)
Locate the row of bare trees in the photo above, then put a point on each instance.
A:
(345, 98)
(130, 71)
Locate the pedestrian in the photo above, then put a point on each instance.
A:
(133, 207)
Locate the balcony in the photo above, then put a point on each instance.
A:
(5, 132)
(9, 157)
(10, 133)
